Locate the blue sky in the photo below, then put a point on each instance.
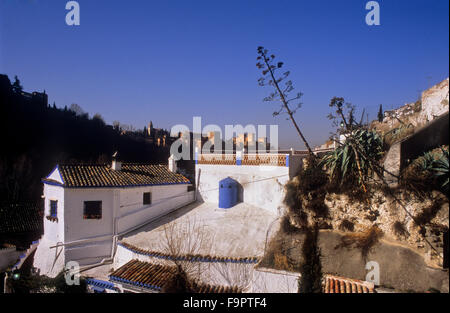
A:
(167, 61)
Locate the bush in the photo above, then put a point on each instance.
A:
(311, 179)
(428, 172)
(306, 192)
(399, 229)
(397, 134)
(287, 227)
(363, 240)
(347, 225)
(30, 283)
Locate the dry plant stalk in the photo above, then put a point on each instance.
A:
(233, 274)
(364, 240)
(186, 238)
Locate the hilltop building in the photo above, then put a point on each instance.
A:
(158, 136)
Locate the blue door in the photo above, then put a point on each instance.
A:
(228, 193)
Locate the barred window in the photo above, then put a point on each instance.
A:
(147, 198)
(53, 208)
(92, 210)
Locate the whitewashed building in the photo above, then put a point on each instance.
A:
(88, 206)
(261, 177)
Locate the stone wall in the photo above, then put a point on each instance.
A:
(400, 154)
(392, 217)
(429, 137)
(401, 268)
(435, 101)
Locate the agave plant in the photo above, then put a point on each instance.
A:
(438, 165)
(441, 168)
(355, 156)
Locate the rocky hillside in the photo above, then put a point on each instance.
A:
(433, 103)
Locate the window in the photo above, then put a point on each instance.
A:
(147, 198)
(53, 208)
(92, 210)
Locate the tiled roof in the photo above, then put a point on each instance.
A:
(336, 284)
(19, 218)
(154, 276)
(190, 258)
(81, 175)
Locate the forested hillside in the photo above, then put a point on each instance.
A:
(36, 136)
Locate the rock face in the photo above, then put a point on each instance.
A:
(392, 164)
(435, 101)
(399, 267)
(391, 215)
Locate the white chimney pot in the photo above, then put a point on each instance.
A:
(172, 164)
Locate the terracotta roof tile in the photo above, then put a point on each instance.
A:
(83, 175)
(17, 218)
(336, 284)
(154, 276)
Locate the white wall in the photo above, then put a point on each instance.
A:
(88, 241)
(273, 281)
(131, 198)
(76, 227)
(54, 231)
(435, 101)
(263, 186)
(165, 199)
(50, 261)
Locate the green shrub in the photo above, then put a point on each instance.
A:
(365, 145)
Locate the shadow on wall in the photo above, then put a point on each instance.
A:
(240, 189)
(431, 136)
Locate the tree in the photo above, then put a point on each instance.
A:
(266, 64)
(311, 270)
(16, 86)
(97, 117)
(76, 109)
(380, 114)
(116, 126)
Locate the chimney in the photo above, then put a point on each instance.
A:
(116, 164)
(172, 164)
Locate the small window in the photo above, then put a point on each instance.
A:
(147, 198)
(53, 208)
(92, 210)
